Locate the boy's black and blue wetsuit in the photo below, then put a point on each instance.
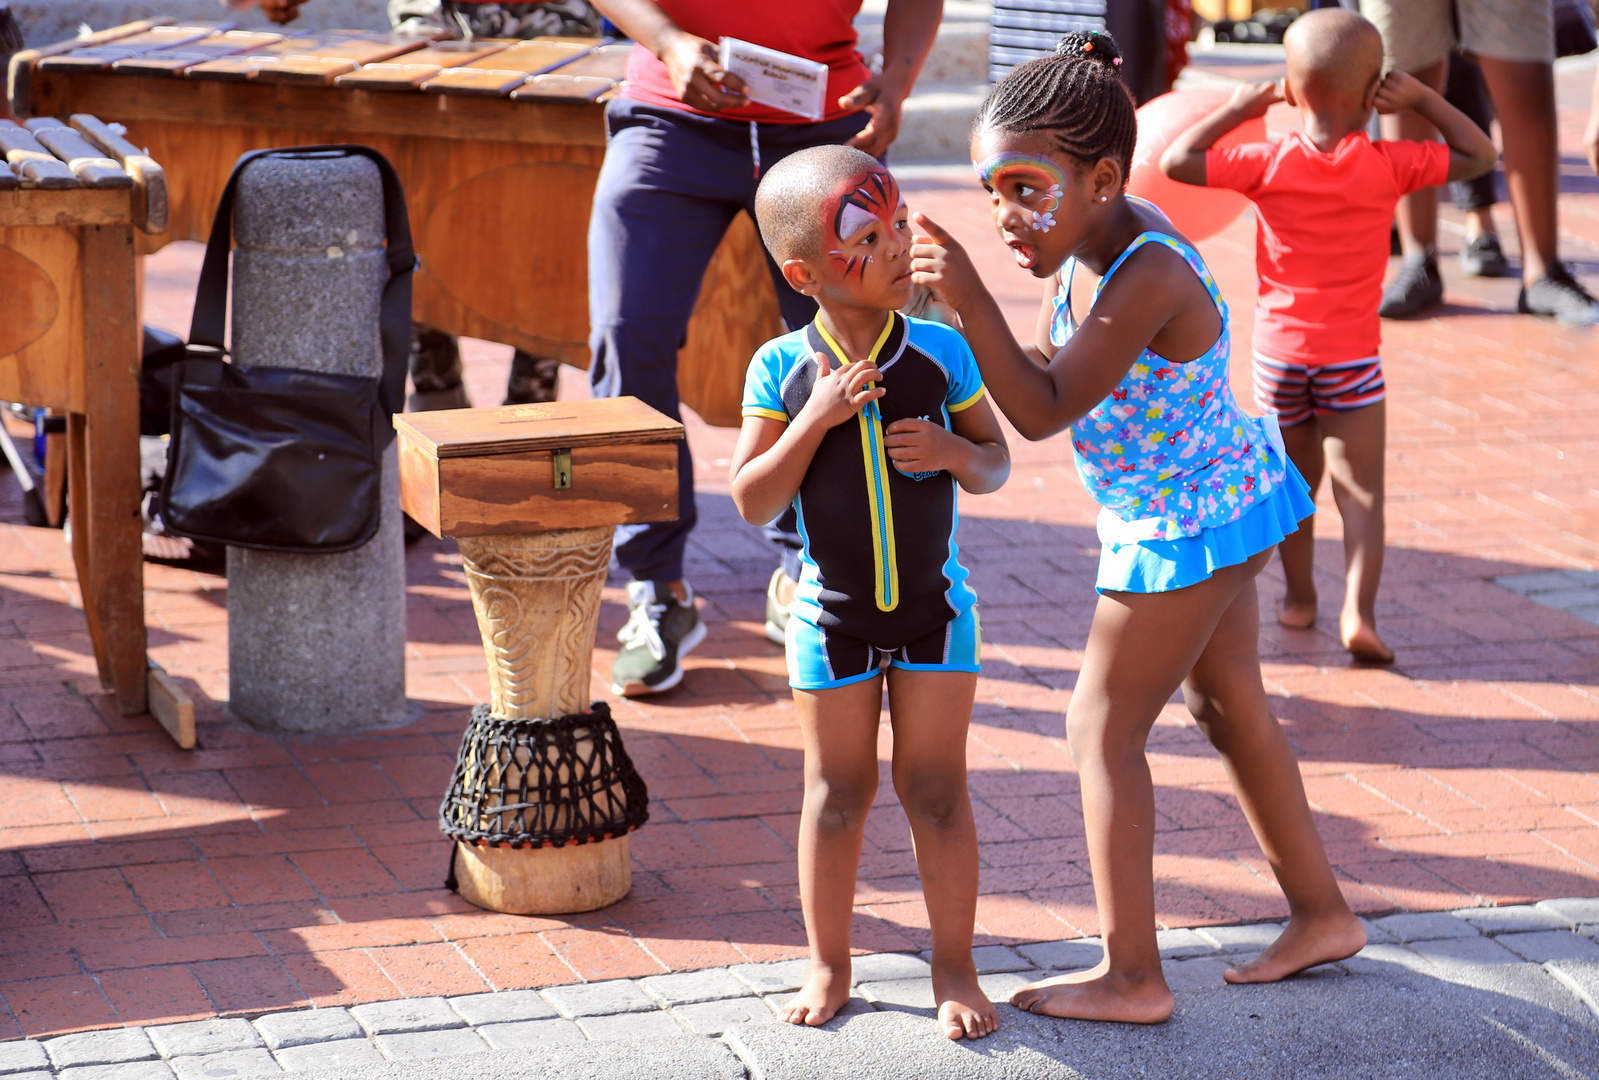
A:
(880, 579)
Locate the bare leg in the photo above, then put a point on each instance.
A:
(931, 712)
(840, 731)
(1480, 223)
(1298, 550)
(1226, 697)
(1417, 213)
(1524, 94)
(1140, 649)
(1355, 443)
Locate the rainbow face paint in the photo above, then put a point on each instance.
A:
(1034, 177)
(870, 197)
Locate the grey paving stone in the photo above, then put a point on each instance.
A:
(711, 1018)
(21, 1056)
(885, 967)
(1542, 946)
(899, 993)
(122, 1070)
(1383, 959)
(1241, 939)
(444, 1042)
(1511, 920)
(203, 1037)
(1376, 935)
(992, 958)
(502, 1007)
(1426, 926)
(783, 977)
(600, 999)
(531, 1033)
(407, 1014)
(688, 987)
(682, 1057)
(1581, 977)
(343, 1054)
(1000, 985)
(1572, 600)
(30, 1075)
(1181, 943)
(1199, 973)
(1473, 950)
(855, 1006)
(652, 1025)
(1063, 955)
(1576, 910)
(100, 1047)
(306, 1026)
(1543, 582)
(227, 1064)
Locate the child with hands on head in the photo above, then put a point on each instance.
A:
(866, 420)
(1194, 494)
(1324, 200)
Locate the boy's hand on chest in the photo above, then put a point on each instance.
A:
(921, 446)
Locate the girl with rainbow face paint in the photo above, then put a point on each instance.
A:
(1035, 183)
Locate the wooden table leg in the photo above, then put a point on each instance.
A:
(110, 446)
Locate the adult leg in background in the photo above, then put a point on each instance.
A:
(839, 729)
(931, 712)
(1524, 94)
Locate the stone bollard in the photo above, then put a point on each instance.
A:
(316, 643)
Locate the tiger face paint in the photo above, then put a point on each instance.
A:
(1036, 183)
(869, 198)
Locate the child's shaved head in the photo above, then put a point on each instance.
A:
(1333, 55)
(808, 200)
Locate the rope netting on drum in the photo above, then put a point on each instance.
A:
(537, 783)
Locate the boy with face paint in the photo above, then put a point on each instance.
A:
(865, 421)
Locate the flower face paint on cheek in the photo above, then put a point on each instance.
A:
(1031, 175)
(870, 197)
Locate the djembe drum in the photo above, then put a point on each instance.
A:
(543, 796)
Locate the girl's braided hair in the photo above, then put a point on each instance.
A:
(1076, 96)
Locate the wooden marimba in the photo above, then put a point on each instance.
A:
(71, 199)
(498, 144)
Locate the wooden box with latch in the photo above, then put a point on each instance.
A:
(531, 468)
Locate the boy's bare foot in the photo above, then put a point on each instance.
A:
(823, 994)
(1297, 612)
(1096, 994)
(1360, 638)
(964, 1011)
(1304, 944)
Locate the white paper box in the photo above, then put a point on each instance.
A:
(781, 80)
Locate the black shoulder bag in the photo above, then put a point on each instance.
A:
(283, 459)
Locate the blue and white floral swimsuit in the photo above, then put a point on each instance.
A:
(1187, 482)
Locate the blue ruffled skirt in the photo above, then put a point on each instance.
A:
(1150, 566)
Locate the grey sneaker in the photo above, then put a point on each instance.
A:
(1558, 296)
(776, 613)
(1413, 290)
(1483, 257)
(660, 631)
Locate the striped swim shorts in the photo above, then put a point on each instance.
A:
(1294, 392)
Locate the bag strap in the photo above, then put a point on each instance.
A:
(394, 323)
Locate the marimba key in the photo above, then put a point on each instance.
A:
(321, 66)
(243, 66)
(87, 163)
(562, 87)
(36, 165)
(174, 61)
(498, 75)
(8, 179)
(607, 62)
(101, 57)
(412, 69)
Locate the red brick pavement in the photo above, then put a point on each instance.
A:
(139, 883)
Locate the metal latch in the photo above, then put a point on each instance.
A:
(562, 462)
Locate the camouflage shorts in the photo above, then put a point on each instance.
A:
(567, 18)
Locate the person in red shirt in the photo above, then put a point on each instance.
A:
(1324, 198)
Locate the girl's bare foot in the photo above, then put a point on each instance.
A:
(1304, 944)
(964, 1011)
(1297, 612)
(824, 993)
(1360, 638)
(1096, 994)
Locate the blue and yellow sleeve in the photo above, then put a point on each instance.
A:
(763, 395)
(965, 381)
